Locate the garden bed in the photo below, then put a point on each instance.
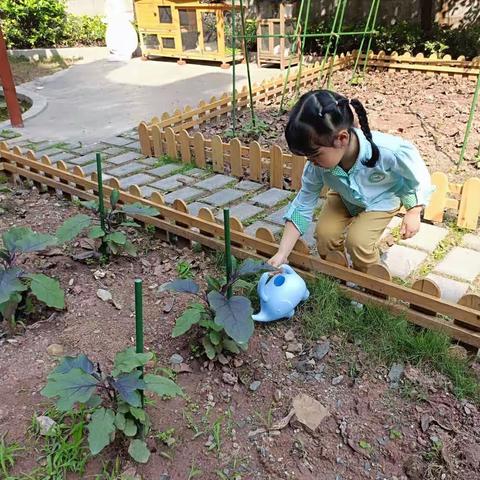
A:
(372, 430)
(431, 111)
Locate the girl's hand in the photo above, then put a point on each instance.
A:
(411, 223)
(278, 260)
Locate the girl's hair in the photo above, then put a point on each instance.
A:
(323, 113)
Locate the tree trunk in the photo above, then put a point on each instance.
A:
(427, 14)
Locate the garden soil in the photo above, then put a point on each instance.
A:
(370, 427)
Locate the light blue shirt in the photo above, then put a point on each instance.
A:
(400, 177)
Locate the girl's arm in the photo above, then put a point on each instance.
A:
(289, 239)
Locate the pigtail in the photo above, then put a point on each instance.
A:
(362, 118)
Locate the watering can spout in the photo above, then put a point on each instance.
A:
(261, 317)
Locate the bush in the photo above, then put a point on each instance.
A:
(84, 31)
(32, 23)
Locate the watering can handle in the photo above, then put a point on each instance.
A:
(261, 286)
(287, 269)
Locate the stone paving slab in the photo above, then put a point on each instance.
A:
(165, 170)
(223, 197)
(252, 229)
(427, 238)
(271, 197)
(151, 162)
(134, 145)
(118, 141)
(171, 183)
(126, 169)
(49, 151)
(194, 208)
(138, 179)
(92, 167)
(277, 216)
(242, 211)
(98, 147)
(63, 156)
(196, 173)
(450, 290)
(113, 151)
(249, 186)
(84, 159)
(125, 157)
(215, 182)
(186, 194)
(401, 261)
(471, 241)
(309, 235)
(147, 191)
(461, 263)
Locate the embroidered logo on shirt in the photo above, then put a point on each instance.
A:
(376, 177)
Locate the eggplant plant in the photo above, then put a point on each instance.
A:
(113, 400)
(225, 323)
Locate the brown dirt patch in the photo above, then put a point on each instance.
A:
(372, 431)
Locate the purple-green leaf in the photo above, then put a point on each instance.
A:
(81, 361)
(127, 385)
(180, 285)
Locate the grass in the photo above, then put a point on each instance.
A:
(385, 337)
(8, 453)
(25, 70)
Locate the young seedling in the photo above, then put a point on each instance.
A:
(114, 398)
(226, 324)
(184, 270)
(8, 453)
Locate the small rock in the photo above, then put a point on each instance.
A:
(277, 395)
(254, 386)
(104, 295)
(98, 274)
(289, 355)
(289, 336)
(182, 368)
(308, 411)
(321, 350)
(229, 379)
(337, 380)
(176, 359)
(303, 366)
(222, 359)
(237, 362)
(167, 307)
(45, 424)
(55, 350)
(70, 282)
(294, 347)
(164, 476)
(457, 351)
(395, 374)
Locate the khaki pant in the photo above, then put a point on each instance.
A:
(337, 230)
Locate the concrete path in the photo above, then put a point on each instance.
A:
(448, 256)
(92, 101)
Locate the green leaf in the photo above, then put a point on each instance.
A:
(162, 386)
(138, 413)
(123, 407)
(9, 308)
(210, 325)
(213, 283)
(130, 224)
(81, 361)
(180, 285)
(230, 345)
(214, 338)
(130, 429)
(128, 359)
(139, 209)
(234, 314)
(10, 283)
(23, 239)
(365, 445)
(72, 227)
(91, 205)
(93, 402)
(190, 317)
(100, 430)
(250, 266)
(47, 290)
(138, 451)
(120, 421)
(130, 249)
(117, 237)
(74, 386)
(127, 385)
(209, 348)
(114, 196)
(96, 232)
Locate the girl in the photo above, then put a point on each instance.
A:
(370, 176)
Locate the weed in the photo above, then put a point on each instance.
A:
(150, 229)
(216, 434)
(3, 178)
(395, 434)
(384, 336)
(167, 437)
(8, 453)
(111, 470)
(267, 419)
(252, 129)
(194, 471)
(184, 270)
(163, 160)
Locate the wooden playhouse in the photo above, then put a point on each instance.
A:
(186, 29)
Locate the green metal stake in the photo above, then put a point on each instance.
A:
(285, 82)
(367, 28)
(242, 16)
(139, 324)
(299, 73)
(337, 41)
(470, 121)
(234, 92)
(228, 248)
(101, 204)
(369, 45)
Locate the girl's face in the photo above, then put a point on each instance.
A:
(331, 155)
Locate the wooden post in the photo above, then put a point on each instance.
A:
(9, 86)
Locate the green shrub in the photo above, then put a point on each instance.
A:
(83, 30)
(32, 23)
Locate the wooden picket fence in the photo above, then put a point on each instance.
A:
(420, 304)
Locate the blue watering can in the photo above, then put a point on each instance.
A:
(280, 294)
